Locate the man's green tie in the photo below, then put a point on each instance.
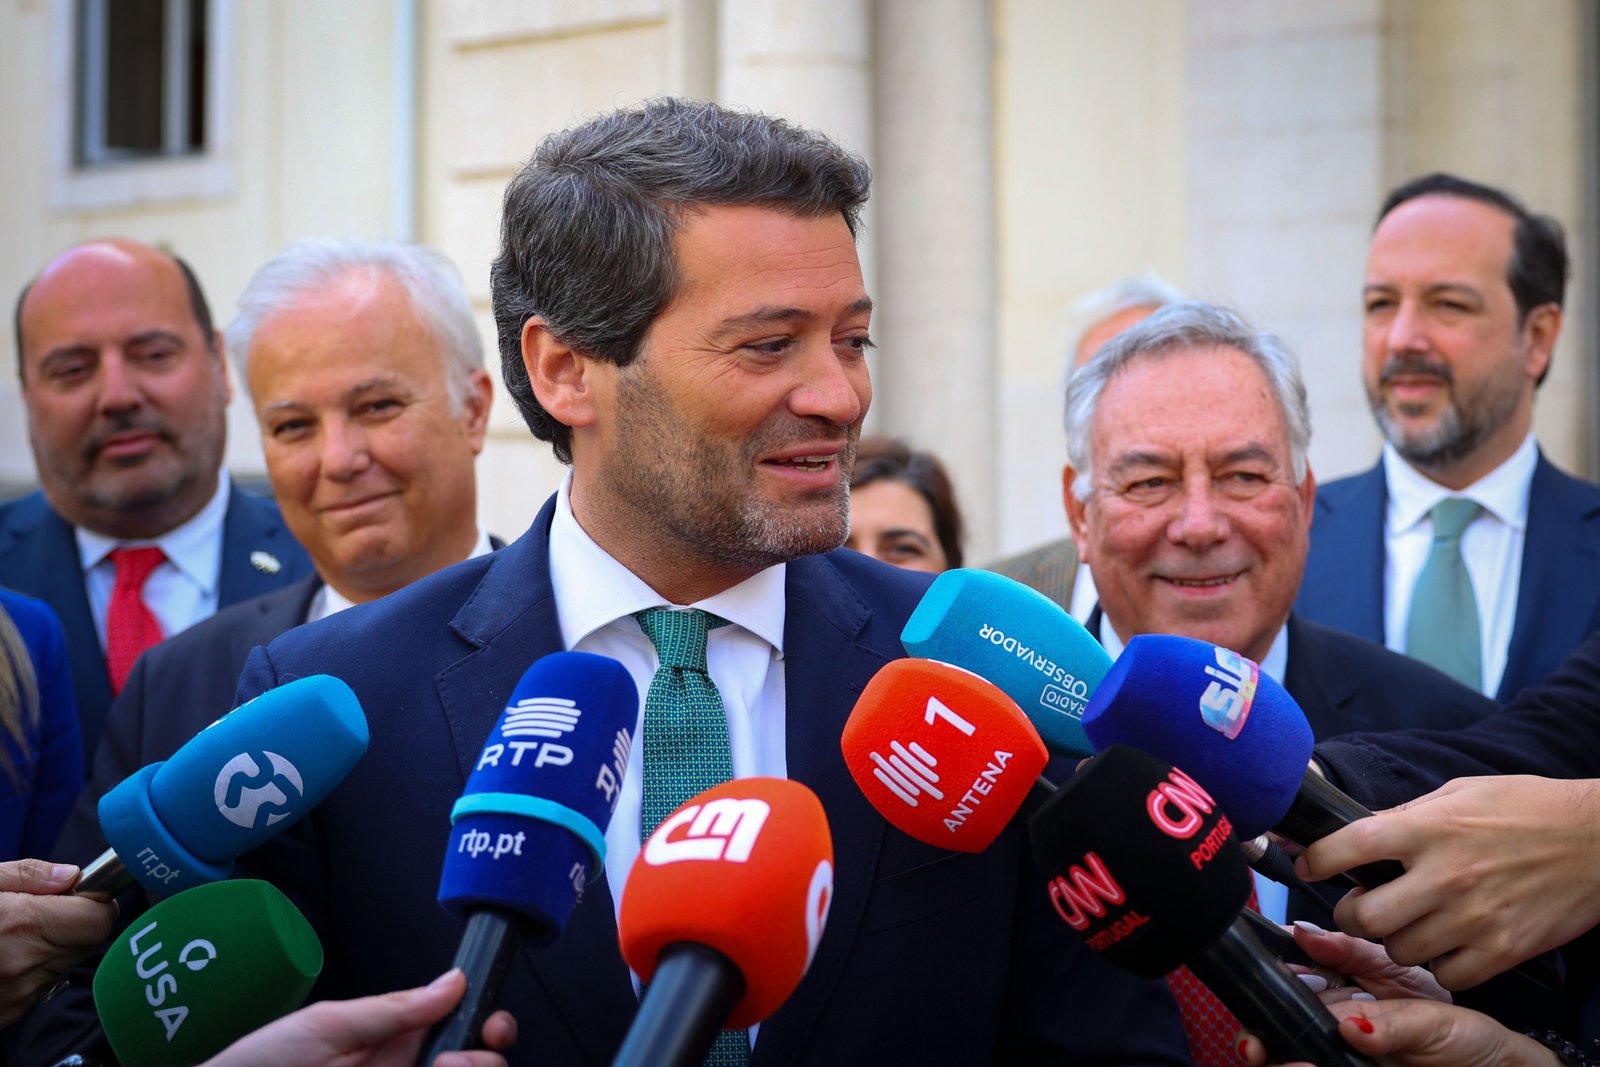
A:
(685, 744)
(1443, 628)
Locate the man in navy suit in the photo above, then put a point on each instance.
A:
(125, 385)
(1463, 305)
(682, 317)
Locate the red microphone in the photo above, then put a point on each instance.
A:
(943, 754)
(722, 913)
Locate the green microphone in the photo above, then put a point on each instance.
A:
(201, 969)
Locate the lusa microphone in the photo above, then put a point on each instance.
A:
(199, 970)
(1142, 864)
(722, 914)
(529, 832)
(244, 779)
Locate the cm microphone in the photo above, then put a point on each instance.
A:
(942, 754)
(1142, 864)
(201, 969)
(1018, 639)
(244, 779)
(529, 832)
(721, 915)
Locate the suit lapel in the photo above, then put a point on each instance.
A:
(1344, 589)
(1317, 684)
(511, 619)
(823, 618)
(1561, 548)
(258, 554)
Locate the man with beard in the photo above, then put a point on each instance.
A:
(1464, 546)
(134, 534)
(681, 315)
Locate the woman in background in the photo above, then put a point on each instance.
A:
(41, 751)
(902, 507)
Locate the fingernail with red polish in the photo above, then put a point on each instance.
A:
(1241, 1046)
(1362, 1024)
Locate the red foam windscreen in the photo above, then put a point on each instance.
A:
(941, 753)
(745, 868)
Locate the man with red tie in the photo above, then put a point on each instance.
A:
(134, 533)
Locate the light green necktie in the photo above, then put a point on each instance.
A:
(685, 745)
(1443, 629)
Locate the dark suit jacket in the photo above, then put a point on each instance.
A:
(928, 957)
(1558, 596)
(1050, 568)
(39, 557)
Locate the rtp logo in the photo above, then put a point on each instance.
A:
(549, 717)
(251, 797)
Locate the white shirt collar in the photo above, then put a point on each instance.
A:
(1273, 664)
(329, 601)
(1503, 492)
(194, 548)
(593, 590)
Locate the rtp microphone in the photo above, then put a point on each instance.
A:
(941, 753)
(1018, 639)
(242, 780)
(722, 915)
(201, 969)
(529, 831)
(1143, 865)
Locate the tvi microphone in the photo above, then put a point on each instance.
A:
(529, 832)
(722, 914)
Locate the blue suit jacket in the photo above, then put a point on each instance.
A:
(50, 765)
(39, 557)
(1558, 597)
(929, 957)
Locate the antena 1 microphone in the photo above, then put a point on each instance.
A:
(722, 914)
(941, 753)
(1143, 865)
(242, 780)
(201, 969)
(1018, 639)
(529, 832)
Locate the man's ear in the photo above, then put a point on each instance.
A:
(1308, 495)
(1077, 517)
(475, 408)
(1542, 327)
(219, 352)
(560, 377)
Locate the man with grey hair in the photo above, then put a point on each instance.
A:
(682, 317)
(1053, 568)
(1190, 495)
(366, 371)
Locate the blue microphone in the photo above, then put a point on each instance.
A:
(242, 780)
(1018, 639)
(529, 832)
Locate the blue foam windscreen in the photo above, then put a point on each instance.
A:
(1018, 639)
(1211, 712)
(529, 831)
(240, 781)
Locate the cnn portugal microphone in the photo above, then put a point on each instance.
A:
(529, 832)
(722, 914)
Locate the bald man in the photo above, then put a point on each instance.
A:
(126, 387)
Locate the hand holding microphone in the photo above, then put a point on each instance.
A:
(722, 914)
(1420, 1033)
(44, 930)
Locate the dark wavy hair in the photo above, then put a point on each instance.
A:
(884, 459)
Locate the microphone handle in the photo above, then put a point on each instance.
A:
(1271, 1002)
(491, 941)
(1318, 809)
(693, 991)
(104, 878)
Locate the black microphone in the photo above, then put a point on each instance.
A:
(1143, 865)
(529, 831)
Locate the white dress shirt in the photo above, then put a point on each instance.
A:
(595, 600)
(183, 589)
(1491, 547)
(329, 601)
(1272, 899)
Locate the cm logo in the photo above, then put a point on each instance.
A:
(252, 797)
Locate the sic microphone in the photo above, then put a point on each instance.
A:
(1143, 865)
(942, 754)
(244, 779)
(201, 969)
(529, 832)
(721, 915)
(1018, 639)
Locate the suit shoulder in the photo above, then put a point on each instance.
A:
(1352, 487)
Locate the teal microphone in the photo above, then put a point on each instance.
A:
(201, 969)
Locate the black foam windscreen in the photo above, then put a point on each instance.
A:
(1140, 861)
